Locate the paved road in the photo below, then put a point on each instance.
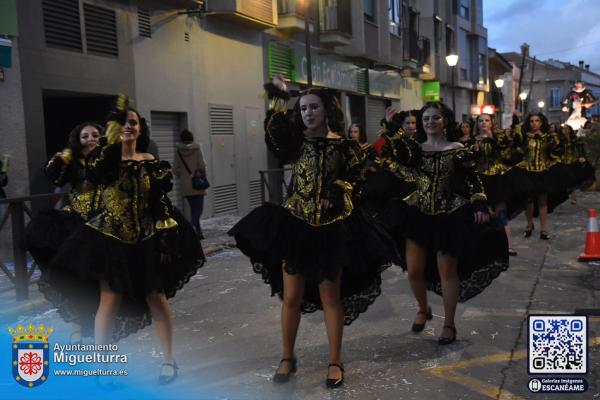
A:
(227, 335)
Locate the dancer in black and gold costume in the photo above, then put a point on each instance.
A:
(390, 179)
(546, 176)
(502, 183)
(451, 243)
(48, 230)
(139, 250)
(581, 172)
(318, 250)
(466, 136)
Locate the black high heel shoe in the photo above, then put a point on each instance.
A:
(419, 327)
(544, 235)
(335, 383)
(284, 377)
(528, 231)
(166, 379)
(444, 340)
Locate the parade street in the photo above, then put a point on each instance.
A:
(227, 329)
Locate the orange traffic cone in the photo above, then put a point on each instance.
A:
(592, 239)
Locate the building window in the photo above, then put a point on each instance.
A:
(554, 98)
(482, 69)
(483, 62)
(480, 12)
(449, 39)
(463, 9)
(395, 16)
(437, 34)
(369, 10)
(464, 52)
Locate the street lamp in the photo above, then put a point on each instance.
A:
(523, 97)
(499, 84)
(452, 60)
(306, 7)
(541, 105)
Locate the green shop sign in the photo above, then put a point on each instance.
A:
(327, 71)
(431, 91)
(8, 17)
(330, 71)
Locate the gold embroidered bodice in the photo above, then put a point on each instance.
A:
(135, 205)
(489, 156)
(386, 159)
(323, 168)
(573, 150)
(538, 152)
(445, 180)
(84, 196)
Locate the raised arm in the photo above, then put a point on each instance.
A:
(104, 163)
(282, 137)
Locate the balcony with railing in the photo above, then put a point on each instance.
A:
(424, 60)
(259, 14)
(335, 20)
(291, 16)
(410, 42)
(424, 46)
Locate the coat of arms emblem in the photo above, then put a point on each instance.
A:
(30, 354)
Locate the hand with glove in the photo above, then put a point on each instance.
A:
(167, 245)
(116, 119)
(332, 199)
(481, 213)
(277, 93)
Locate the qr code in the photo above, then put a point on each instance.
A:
(557, 344)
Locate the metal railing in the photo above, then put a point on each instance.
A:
(424, 46)
(411, 44)
(275, 185)
(336, 16)
(289, 7)
(16, 210)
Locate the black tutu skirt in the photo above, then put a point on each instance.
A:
(481, 249)
(381, 186)
(582, 175)
(163, 263)
(274, 239)
(509, 188)
(47, 231)
(554, 182)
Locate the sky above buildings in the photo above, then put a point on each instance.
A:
(568, 30)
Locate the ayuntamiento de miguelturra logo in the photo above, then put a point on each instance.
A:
(30, 354)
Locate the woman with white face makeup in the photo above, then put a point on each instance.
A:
(317, 250)
(48, 230)
(451, 244)
(138, 250)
